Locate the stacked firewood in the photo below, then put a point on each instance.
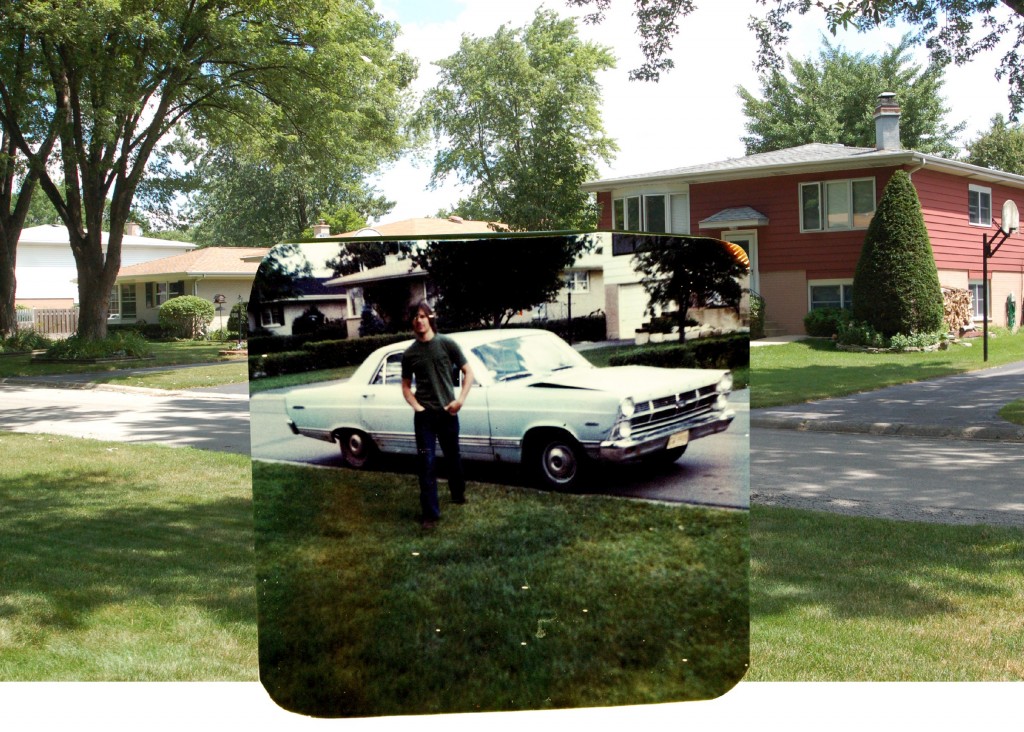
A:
(959, 309)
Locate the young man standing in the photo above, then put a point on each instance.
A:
(432, 360)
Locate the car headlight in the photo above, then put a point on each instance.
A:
(624, 429)
(721, 402)
(627, 407)
(725, 383)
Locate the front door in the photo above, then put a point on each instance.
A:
(747, 240)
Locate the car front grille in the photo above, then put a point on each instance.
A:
(675, 409)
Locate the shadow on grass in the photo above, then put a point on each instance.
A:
(72, 547)
(872, 568)
(519, 600)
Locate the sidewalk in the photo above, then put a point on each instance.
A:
(964, 406)
(89, 381)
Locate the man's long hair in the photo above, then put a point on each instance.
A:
(427, 310)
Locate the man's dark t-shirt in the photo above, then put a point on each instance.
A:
(433, 363)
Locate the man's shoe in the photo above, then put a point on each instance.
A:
(460, 500)
(428, 524)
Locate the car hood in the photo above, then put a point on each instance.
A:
(638, 382)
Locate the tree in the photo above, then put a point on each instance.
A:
(18, 181)
(896, 284)
(1001, 147)
(123, 74)
(486, 281)
(687, 271)
(953, 30)
(832, 99)
(517, 116)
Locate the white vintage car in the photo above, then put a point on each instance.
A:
(536, 401)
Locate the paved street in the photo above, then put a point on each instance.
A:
(179, 419)
(907, 478)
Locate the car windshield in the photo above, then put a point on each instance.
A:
(537, 354)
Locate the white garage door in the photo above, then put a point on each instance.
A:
(632, 307)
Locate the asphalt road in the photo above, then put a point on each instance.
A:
(714, 471)
(178, 419)
(898, 477)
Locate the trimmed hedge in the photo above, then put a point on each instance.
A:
(825, 322)
(280, 344)
(317, 355)
(721, 352)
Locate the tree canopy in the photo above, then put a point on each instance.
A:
(953, 30)
(832, 99)
(1000, 147)
(517, 117)
(687, 271)
(121, 74)
(488, 280)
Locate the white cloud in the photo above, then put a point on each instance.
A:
(692, 115)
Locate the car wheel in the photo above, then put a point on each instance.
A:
(666, 457)
(560, 462)
(356, 448)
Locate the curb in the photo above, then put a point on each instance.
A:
(995, 433)
(192, 394)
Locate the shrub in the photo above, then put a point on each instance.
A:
(186, 316)
(901, 342)
(723, 352)
(896, 283)
(24, 340)
(370, 324)
(115, 345)
(857, 333)
(825, 322)
(757, 316)
(311, 320)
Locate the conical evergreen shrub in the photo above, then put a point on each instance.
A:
(896, 284)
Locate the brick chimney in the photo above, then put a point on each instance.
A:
(887, 123)
(132, 229)
(321, 229)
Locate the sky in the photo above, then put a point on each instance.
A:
(699, 115)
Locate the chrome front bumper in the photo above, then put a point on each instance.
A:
(624, 450)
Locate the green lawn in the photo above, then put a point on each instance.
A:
(1013, 412)
(235, 372)
(124, 563)
(519, 600)
(839, 598)
(813, 369)
(164, 354)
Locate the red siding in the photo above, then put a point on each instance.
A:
(958, 245)
(780, 245)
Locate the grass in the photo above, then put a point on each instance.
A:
(124, 563)
(310, 377)
(839, 598)
(1013, 412)
(813, 369)
(165, 353)
(519, 600)
(234, 372)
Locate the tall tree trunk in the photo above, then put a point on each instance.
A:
(8, 283)
(96, 275)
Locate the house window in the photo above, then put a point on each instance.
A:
(979, 205)
(977, 288)
(831, 295)
(122, 302)
(577, 281)
(272, 315)
(837, 205)
(157, 293)
(642, 213)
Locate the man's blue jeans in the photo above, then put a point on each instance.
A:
(433, 428)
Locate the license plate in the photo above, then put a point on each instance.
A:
(678, 439)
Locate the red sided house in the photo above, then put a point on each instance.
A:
(801, 214)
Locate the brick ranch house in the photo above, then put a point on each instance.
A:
(801, 215)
